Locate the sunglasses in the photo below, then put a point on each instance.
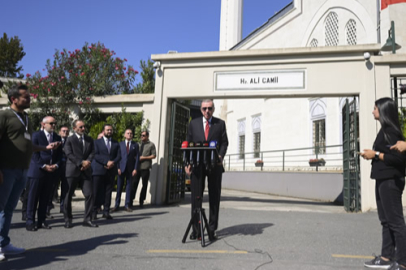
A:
(52, 123)
(143, 135)
(82, 127)
(207, 108)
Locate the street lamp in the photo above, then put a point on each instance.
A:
(390, 44)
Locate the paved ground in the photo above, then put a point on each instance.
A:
(256, 232)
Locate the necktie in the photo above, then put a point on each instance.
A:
(108, 145)
(128, 147)
(49, 137)
(81, 143)
(206, 130)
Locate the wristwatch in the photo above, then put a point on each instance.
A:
(377, 155)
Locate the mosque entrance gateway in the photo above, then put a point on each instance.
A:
(313, 74)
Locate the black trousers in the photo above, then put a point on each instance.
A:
(87, 189)
(38, 195)
(390, 212)
(102, 188)
(24, 197)
(214, 185)
(144, 174)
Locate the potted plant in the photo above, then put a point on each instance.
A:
(259, 163)
(317, 162)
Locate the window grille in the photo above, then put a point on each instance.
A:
(241, 146)
(314, 43)
(331, 29)
(351, 32)
(257, 144)
(319, 136)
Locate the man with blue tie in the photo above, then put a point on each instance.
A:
(104, 165)
(127, 169)
(41, 174)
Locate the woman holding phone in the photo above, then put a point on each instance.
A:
(388, 169)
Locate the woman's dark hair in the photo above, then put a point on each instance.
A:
(388, 117)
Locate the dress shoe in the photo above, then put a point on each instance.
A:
(128, 209)
(31, 227)
(114, 209)
(89, 224)
(213, 236)
(24, 216)
(68, 224)
(194, 236)
(44, 225)
(107, 216)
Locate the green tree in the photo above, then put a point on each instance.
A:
(11, 52)
(120, 122)
(74, 78)
(148, 78)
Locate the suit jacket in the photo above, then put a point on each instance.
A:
(38, 159)
(217, 133)
(129, 161)
(102, 156)
(393, 165)
(75, 156)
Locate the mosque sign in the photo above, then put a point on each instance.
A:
(261, 80)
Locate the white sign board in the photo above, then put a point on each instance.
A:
(260, 80)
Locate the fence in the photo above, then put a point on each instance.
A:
(298, 159)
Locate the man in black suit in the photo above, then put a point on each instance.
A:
(79, 151)
(63, 132)
(127, 169)
(104, 166)
(41, 174)
(208, 128)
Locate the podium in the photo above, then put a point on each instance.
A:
(196, 157)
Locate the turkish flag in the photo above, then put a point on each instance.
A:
(386, 3)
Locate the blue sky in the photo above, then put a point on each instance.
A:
(134, 29)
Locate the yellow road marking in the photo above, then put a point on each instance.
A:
(197, 251)
(351, 256)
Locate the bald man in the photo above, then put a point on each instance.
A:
(42, 172)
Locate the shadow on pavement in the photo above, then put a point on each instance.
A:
(46, 255)
(244, 229)
(282, 201)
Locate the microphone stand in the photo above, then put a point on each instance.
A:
(199, 214)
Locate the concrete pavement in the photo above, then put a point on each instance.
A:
(256, 231)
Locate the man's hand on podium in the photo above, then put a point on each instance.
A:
(188, 169)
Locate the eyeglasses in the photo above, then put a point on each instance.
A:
(82, 127)
(64, 130)
(52, 123)
(143, 135)
(207, 108)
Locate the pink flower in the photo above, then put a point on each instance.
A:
(49, 90)
(77, 50)
(28, 75)
(82, 74)
(116, 68)
(87, 98)
(90, 47)
(125, 59)
(62, 77)
(124, 68)
(80, 102)
(62, 53)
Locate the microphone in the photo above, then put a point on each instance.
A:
(213, 158)
(198, 144)
(185, 145)
(205, 144)
(191, 145)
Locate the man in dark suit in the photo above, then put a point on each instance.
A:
(79, 151)
(63, 132)
(104, 166)
(41, 174)
(208, 128)
(127, 169)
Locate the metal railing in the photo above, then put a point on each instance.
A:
(297, 159)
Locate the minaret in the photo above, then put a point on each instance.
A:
(230, 23)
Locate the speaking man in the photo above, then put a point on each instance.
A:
(208, 128)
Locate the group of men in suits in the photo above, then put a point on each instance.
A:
(93, 165)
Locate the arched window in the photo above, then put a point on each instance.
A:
(351, 32)
(331, 29)
(314, 43)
